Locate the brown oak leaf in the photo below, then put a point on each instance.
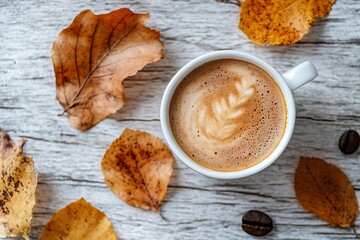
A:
(79, 220)
(17, 189)
(94, 55)
(325, 190)
(137, 167)
(280, 22)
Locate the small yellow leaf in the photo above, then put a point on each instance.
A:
(79, 221)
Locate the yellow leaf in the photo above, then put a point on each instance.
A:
(281, 22)
(17, 189)
(79, 221)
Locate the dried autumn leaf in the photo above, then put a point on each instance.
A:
(325, 190)
(77, 221)
(137, 167)
(17, 189)
(280, 22)
(94, 55)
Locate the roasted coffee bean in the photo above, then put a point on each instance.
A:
(349, 142)
(256, 223)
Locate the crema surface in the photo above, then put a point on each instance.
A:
(228, 115)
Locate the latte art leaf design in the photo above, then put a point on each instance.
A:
(221, 121)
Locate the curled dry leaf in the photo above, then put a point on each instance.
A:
(79, 221)
(280, 22)
(325, 190)
(94, 55)
(137, 167)
(17, 189)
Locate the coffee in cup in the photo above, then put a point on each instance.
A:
(228, 115)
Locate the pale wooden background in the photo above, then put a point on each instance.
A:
(196, 207)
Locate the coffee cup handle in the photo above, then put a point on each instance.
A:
(299, 75)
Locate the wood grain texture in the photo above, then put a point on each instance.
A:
(196, 207)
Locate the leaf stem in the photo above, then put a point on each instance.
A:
(354, 230)
(235, 2)
(162, 216)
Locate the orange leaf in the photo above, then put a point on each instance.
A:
(79, 220)
(137, 167)
(280, 22)
(325, 190)
(17, 189)
(94, 55)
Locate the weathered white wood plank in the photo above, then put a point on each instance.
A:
(196, 207)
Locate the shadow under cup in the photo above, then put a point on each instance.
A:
(224, 55)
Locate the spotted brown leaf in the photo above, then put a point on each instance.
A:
(137, 167)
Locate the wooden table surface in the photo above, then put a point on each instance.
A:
(196, 207)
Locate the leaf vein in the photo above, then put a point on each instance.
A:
(91, 45)
(76, 48)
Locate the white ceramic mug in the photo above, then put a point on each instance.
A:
(287, 82)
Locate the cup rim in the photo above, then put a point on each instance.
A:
(217, 55)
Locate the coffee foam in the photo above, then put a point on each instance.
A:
(228, 115)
